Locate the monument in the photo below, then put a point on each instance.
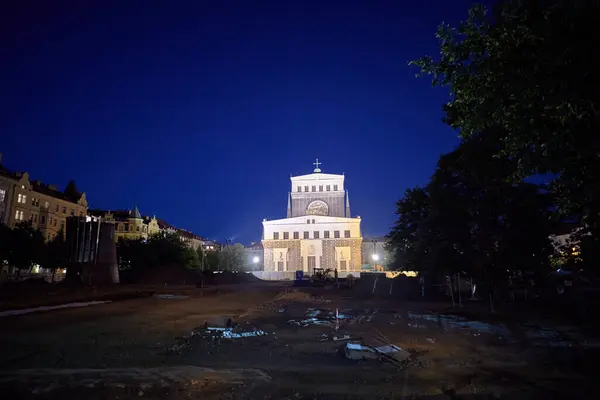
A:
(319, 231)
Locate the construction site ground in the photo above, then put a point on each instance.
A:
(281, 347)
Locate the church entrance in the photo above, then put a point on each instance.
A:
(343, 265)
(312, 263)
(280, 266)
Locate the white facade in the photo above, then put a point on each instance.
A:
(318, 233)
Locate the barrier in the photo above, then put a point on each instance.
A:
(291, 275)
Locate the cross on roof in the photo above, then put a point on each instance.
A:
(316, 164)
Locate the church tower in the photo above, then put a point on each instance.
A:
(318, 231)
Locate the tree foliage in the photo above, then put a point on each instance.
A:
(525, 72)
(231, 258)
(158, 250)
(472, 217)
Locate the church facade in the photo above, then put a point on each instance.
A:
(319, 231)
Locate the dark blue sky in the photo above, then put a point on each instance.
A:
(199, 111)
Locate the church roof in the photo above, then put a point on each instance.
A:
(302, 220)
(316, 176)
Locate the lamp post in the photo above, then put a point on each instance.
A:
(375, 258)
(255, 261)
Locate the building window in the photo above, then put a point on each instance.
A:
(286, 235)
(49, 220)
(320, 188)
(313, 221)
(130, 228)
(126, 227)
(137, 228)
(19, 215)
(72, 212)
(33, 201)
(43, 219)
(308, 221)
(62, 226)
(328, 188)
(335, 188)
(299, 189)
(275, 235)
(305, 235)
(21, 198)
(314, 188)
(64, 210)
(54, 221)
(346, 234)
(306, 188)
(46, 205)
(316, 234)
(336, 234)
(2, 195)
(326, 234)
(296, 235)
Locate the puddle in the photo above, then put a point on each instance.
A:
(450, 323)
(171, 296)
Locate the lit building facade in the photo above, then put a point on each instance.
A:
(319, 231)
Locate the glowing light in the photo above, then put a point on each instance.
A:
(255, 260)
(375, 257)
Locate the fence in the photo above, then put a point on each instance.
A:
(291, 275)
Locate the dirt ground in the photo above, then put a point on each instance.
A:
(281, 347)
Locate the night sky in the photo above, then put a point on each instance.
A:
(199, 111)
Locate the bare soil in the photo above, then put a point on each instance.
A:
(158, 348)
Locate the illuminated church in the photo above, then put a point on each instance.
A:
(319, 231)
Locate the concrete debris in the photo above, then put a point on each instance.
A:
(338, 338)
(171, 296)
(215, 332)
(356, 351)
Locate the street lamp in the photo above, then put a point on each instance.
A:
(375, 257)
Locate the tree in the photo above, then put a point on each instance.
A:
(26, 246)
(525, 72)
(55, 254)
(231, 258)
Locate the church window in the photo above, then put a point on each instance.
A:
(299, 188)
(336, 234)
(275, 235)
(305, 234)
(320, 188)
(314, 188)
(137, 228)
(328, 187)
(126, 227)
(296, 235)
(313, 221)
(308, 221)
(306, 188)
(326, 234)
(64, 210)
(316, 234)
(346, 234)
(335, 188)
(286, 235)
